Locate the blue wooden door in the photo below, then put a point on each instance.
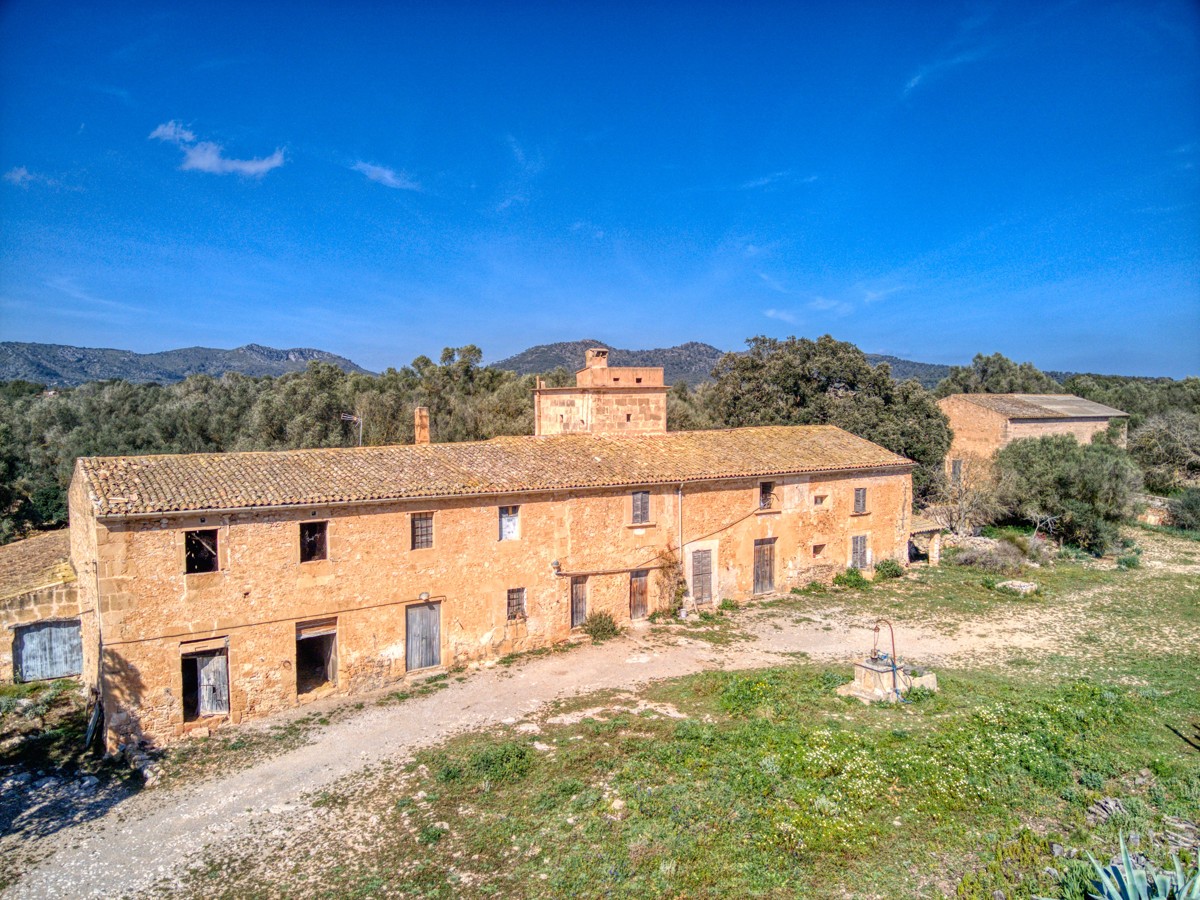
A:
(47, 650)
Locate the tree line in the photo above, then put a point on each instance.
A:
(774, 382)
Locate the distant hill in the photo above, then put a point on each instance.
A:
(58, 365)
(691, 362)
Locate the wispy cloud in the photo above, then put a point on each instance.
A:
(782, 315)
(772, 283)
(775, 178)
(925, 73)
(385, 176)
(965, 47)
(873, 296)
(207, 156)
(23, 178)
(89, 305)
(116, 93)
(529, 165)
(825, 304)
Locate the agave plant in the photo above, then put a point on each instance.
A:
(1124, 881)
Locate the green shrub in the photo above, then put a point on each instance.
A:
(1128, 562)
(1001, 559)
(1125, 881)
(1185, 510)
(851, 578)
(600, 626)
(729, 605)
(888, 568)
(501, 762)
(813, 587)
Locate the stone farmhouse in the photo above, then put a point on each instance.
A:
(984, 423)
(213, 588)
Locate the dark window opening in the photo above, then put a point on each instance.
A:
(766, 494)
(628, 417)
(819, 500)
(422, 531)
(312, 541)
(956, 471)
(702, 576)
(200, 551)
(516, 603)
(637, 381)
(818, 549)
(860, 500)
(316, 656)
(641, 507)
(205, 685)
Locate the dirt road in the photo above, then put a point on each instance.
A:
(156, 833)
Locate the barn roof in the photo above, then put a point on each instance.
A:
(1042, 406)
(150, 485)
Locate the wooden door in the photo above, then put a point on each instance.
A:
(858, 551)
(702, 576)
(578, 600)
(764, 566)
(47, 650)
(213, 670)
(638, 590)
(423, 636)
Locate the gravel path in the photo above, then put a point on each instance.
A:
(156, 833)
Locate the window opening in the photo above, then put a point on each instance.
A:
(200, 551)
(509, 523)
(516, 603)
(312, 541)
(819, 500)
(956, 471)
(422, 530)
(641, 507)
(818, 550)
(860, 500)
(766, 494)
(316, 655)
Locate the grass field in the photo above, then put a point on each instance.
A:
(767, 784)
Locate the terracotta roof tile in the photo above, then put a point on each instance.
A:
(1042, 406)
(34, 562)
(149, 485)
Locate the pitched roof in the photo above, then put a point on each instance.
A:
(1042, 406)
(34, 562)
(149, 485)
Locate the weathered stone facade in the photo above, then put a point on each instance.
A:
(37, 584)
(616, 400)
(435, 555)
(984, 423)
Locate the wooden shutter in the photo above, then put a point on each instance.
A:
(858, 554)
(47, 650)
(638, 604)
(764, 566)
(578, 600)
(423, 636)
(860, 500)
(702, 576)
(214, 684)
(641, 507)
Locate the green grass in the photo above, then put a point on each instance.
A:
(51, 719)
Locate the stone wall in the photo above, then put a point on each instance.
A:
(600, 410)
(1085, 430)
(152, 613)
(37, 584)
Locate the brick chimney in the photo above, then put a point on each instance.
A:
(421, 425)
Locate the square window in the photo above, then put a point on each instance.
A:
(509, 524)
(200, 551)
(641, 507)
(766, 494)
(422, 530)
(818, 550)
(516, 603)
(860, 500)
(312, 541)
(819, 500)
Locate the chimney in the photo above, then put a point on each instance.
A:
(596, 358)
(421, 425)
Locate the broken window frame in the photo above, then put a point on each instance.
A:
(201, 551)
(766, 495)
(641, 508)
(314, 541)
(516, 604)
(421, 531)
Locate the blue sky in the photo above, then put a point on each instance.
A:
(382, 180)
